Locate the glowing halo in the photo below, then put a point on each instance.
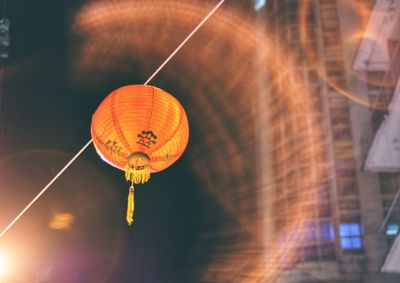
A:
(216, 66)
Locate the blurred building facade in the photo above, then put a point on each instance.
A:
(282, 130)
(343, 54)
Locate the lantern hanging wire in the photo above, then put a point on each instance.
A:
(90, 141)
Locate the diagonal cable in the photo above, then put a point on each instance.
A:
(90, 141)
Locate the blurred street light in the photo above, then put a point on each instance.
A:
(3, 266)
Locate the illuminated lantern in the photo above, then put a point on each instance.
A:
(140, 129)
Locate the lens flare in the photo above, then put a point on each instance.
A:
(72, 212)
(216, 66)
(3, 266)
(219, 73)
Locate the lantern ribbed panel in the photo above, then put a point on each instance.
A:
(140, 118)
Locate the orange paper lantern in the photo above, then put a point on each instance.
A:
(140, 129)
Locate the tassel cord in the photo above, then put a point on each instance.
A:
(130, 211)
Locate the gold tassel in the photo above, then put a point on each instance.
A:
(137, 168)
(131, 206)
(137, 176)
(137, 171)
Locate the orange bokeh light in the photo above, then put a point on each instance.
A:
(61, 221)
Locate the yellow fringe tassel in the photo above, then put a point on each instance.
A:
(137, 171)
(137, 176)
(131, 206)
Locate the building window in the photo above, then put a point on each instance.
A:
(327, 232)
(350, 236)
(392, 229)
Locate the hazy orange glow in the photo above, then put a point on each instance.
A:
(217, 66)
(3, 266)
(61, 221)
(219, 69)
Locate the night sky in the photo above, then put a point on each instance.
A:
(45, 120)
